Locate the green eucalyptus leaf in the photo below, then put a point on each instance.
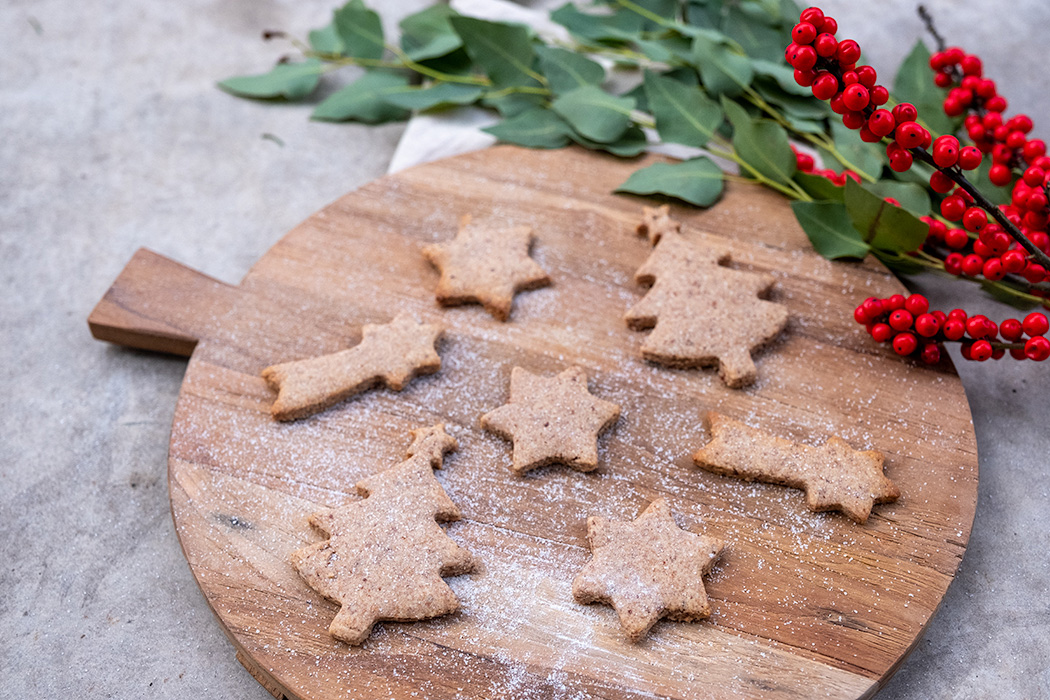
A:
(912, 197)
(820, 187)
(629, 145)
(723, 69)
(595, 114)
(761, 144)
(291, 81)
(790, 104)
(365, 100)
(1008, 295)
(360, 30)
(985, 186)
(784, 75)
(326, 40)
(429, 34)
(437, 95)
(750, 25)
(884, 226)
(684, 114)
(698, 181)
(504, 51)
(535, 128)
(672, 50)
(829, 230)
(511, 104)
(914, 83)
(566, 70)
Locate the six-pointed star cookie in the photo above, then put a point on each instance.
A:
(391, 353)
(487, 265)
(647, 569)
(551, 420)
(834, 475)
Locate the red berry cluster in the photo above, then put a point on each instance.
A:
(806, 164)
(829, 68)
(912, 329)
(977, 97)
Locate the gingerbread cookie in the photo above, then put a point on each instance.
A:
(386, 554)
(834, 476)
(390, 354)
(703, 313)
(647, 569)
(487, 265)
(551, 420)
(656, 221)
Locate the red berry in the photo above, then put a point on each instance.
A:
(1035, 324)
(1000, 175)
(953, 263)
(943, 80)
(1037, 348)
(956, 238)
(1015, 140)
(804, 33)
(1011, 330)
(856, 97)
(848, 52)
(881, 332)
(893, 302)
(1033, 176)
(941, 183)
(805, 162)
(931, 354)
(813, 15)
(927, 325)
(901, 320)
(981, 350)
(879, 95)
(867, 76)
(854, 119)
(826, 45)
(905, 112)
(899, 157)
(1013, 261)
(974, 219)
(1034, 149)
(954, 329)
(805, 78)
(917, 304)
(969, 157)
(953, 207)
(996, 104)
(801, 57)
(881, 122)
(825, 86)
(911, 135)
(945, 151)
(971, 65)
(905, 344)
(972, 265)
(830, 25)
(993, 269)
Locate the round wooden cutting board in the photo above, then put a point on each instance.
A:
(804, 605)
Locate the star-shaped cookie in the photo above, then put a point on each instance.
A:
(647, 569)
(486, 265)
(551, 420)
(834, 475)
(391, 354)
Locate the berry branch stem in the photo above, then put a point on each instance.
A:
(984, 203)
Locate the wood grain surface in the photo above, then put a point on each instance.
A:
(804, 605)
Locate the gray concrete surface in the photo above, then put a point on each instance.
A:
(114, 137)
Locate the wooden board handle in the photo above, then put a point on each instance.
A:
(158, 304)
